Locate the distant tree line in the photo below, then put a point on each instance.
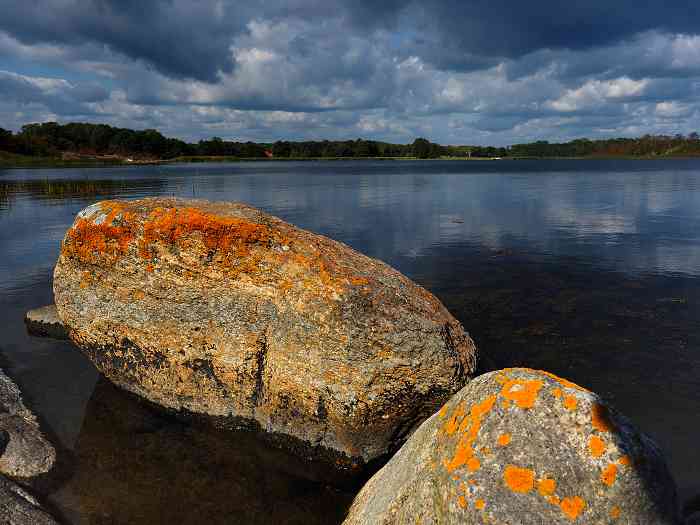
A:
(646, 146)
(54, 140)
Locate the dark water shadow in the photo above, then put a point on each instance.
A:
(136, 465)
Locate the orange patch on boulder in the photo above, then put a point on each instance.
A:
(572, 507)
(546, 487)
(520, 480)
(609, 474)
(570, 403)
(469, 428)
(596, 446)
(504, 440)
(522, 392)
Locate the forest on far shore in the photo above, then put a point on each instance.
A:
(74, 141)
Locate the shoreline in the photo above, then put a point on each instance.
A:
(43, 162)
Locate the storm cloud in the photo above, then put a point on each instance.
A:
(475, 71)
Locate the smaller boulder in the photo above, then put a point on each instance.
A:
(18, 507)
(522, 446)
(24, 450)
(44, 322)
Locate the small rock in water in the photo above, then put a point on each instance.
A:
(18, 507)
(44, 322)
(527, 447)
(223, 310)
(26, 452)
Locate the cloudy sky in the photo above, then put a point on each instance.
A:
(454, 71)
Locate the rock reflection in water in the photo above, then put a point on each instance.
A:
(138, 466)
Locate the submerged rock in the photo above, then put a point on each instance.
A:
(522, 446)
(44, 322)
(18, 507)
(25, 451)
(221, 309)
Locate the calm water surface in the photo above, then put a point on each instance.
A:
(590, 269)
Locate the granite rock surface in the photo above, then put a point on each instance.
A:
(24, 450)
(527, 447)
(221, 309)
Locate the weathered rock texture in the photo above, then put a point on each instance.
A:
(24, 451)
(521, 446)
(18, 507)
(44, 322)
(218, 308)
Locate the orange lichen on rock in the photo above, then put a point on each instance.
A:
(480, 504)
(557, 392)
(625, 460)
(523, 392)
(91, 242)
(469, 428)
(462, 502)
(600, 418)
(473, 464)
(504, 439)
(596, 446)
(443, 411)
(546, 487)
(221, 234)
(570, 403)
(609, 474)
(452, 424)
(521, 480)
(615, 513)
(572, 507)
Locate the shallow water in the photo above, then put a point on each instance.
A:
(590, 269)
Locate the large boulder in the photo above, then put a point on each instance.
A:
(24, 450)
(221, 309)
(521, 446)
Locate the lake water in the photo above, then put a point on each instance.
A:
(589, 269)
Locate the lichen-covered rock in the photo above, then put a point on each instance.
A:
(221, 309)
(24, 450)
(521, 446)
(44, 322)
(18, 507)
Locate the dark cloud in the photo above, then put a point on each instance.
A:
(178, 38)
(489, 71)
(503, 28)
